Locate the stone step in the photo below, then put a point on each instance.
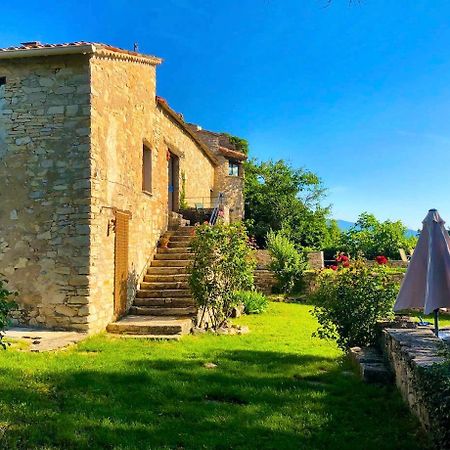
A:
(180, 245)
(175, 255)
(160, 311)
(150, 337)
(177, 250)
(180, 302)
(181, 263)
(156, 271)
(162, 293)
(180, 238)
(151, 325)
(160, 285)
(164, 278)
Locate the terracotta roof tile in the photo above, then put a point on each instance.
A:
(232, 153)
(35, 44)
(38, 45)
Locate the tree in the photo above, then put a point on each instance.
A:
(334, 235)
(278, 196)
(370, 238)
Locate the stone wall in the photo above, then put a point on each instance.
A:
(44, 189)
(231, 186)
(265, 281)
(315, 260)
(408, 351)
(124, 117)
(72, 131)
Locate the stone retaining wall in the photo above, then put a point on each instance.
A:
(265, 281)
(408, 351)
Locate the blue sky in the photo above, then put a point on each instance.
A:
(359, 94)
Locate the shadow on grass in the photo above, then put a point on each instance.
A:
(252, 400)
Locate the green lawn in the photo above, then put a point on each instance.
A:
(444, 318)
(275, 388)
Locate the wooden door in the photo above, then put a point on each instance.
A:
(173, 178)
(121, 263)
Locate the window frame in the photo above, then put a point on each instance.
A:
(232, 164)
(147, 169)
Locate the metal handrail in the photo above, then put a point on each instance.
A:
(215, 213)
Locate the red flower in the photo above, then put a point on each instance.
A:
(346, 264)
(333, 267)
(381, 259)
(341, 258)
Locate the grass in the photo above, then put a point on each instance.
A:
(444, 318)
(274, 388)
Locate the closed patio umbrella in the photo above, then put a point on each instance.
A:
(427, 280)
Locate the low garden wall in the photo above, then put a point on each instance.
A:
(412, 353)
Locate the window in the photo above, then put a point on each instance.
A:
(2, 81)
(147, 170)
(233, 169)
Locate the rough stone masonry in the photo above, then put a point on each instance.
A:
(73, 122)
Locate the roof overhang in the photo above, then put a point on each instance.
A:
(232, 154)
(184, 126)
(77, 49)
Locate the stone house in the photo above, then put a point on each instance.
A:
(92, 168)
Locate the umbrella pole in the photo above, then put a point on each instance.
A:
(436, 322)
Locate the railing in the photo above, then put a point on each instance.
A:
(200, 202)
(217, 209)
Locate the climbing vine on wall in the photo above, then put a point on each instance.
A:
(6, 305)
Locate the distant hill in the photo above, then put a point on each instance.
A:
(345, 225)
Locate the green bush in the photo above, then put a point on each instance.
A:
(254, 302)
(223, 264)
(434, 383)
(287, 263)
(6, 305)
(349, 302)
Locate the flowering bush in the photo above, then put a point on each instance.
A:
(342, 260)
(223, 264)
(381, 259)
(350, 302)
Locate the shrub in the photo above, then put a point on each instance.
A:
(349, 302)
(6, 305)
(287, 263)
(434, 383)
(223, 264)
(254, 302)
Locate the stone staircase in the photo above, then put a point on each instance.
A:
(163, 307)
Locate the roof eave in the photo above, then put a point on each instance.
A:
(232, 154)
(188, 131)
(50, 51)
(87, 49)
